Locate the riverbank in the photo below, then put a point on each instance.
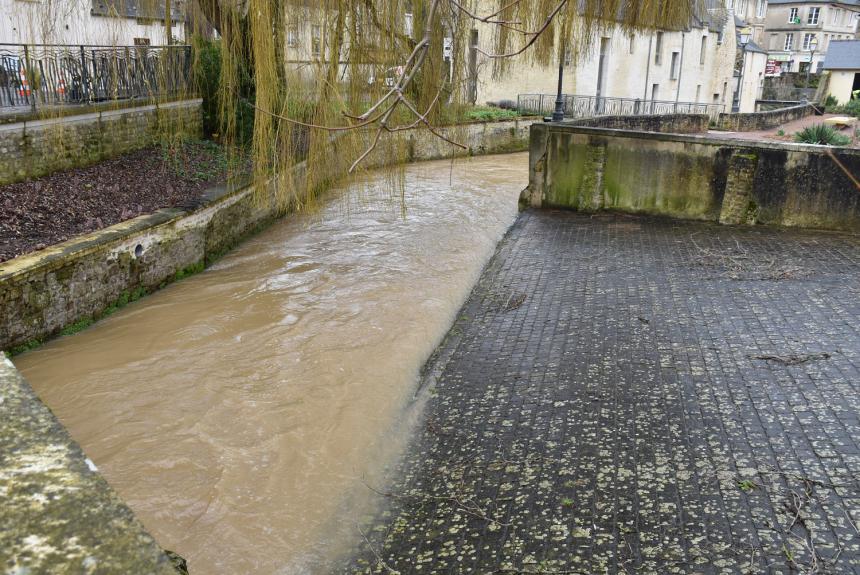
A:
(68, 286)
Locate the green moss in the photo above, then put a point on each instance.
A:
(32, 344)
(78, 326)
(123, 300)
(189, 271)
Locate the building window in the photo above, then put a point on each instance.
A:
(760, 8)
(316, 40)
(698, 92)
(674, 68)
(703, 50)
(789, 42)
(568, 56)
(655, 88)
(632, 43)
(793, 17)
(812, 17)
(658, 49)
(835, 18)
(141, 41)
(807, 40)
(407, 21)
(293, 36)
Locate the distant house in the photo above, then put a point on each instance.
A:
(799, 33)
(843, 64)
(92, 22)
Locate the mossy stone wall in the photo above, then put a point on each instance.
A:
(35, 148)
(694, 177)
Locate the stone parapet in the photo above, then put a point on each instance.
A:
(694, 177)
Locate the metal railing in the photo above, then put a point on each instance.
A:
(588, 106)
(47, 74)
(770, 105)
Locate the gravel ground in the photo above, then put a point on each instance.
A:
(38, 213)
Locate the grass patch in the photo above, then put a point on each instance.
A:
(489, 114)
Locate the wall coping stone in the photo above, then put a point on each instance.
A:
(90, 116)
(58, 513)
(57, 254)
(700, 139)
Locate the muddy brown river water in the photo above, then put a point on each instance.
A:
(242, 412)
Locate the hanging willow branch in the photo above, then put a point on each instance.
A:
(336, 83)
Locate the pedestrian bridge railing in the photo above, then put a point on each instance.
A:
(51, 74)
(588, 106)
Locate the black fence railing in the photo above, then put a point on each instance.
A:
(588, 106)
(33, 75)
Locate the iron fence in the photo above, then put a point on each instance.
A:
(43, 74)
(587, 106)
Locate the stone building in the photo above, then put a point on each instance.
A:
(91, 22)
(751, 14)
(798, 32)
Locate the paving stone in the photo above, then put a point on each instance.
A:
(633, 395)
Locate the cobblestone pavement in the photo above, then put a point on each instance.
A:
(629, 395)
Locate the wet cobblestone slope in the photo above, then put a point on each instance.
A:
(625, 395)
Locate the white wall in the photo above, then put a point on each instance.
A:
(629, 75)
(752, 80)
(841, 82)
(70, 22)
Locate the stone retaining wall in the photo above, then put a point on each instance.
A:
(694, 177)
(34, 148)
(73, 283)
(752, 121)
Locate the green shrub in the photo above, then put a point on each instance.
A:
(207, 77)
(821, 134)
(487, 113)
(780, 132)
(207, 80)
(851, 108)
(830, 101)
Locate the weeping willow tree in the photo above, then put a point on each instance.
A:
(373, 70)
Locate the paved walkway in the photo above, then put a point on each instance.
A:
(788, 129)
(626, 395)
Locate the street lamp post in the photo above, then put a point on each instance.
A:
(558, 113)
(813, 44)
(744, 38)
